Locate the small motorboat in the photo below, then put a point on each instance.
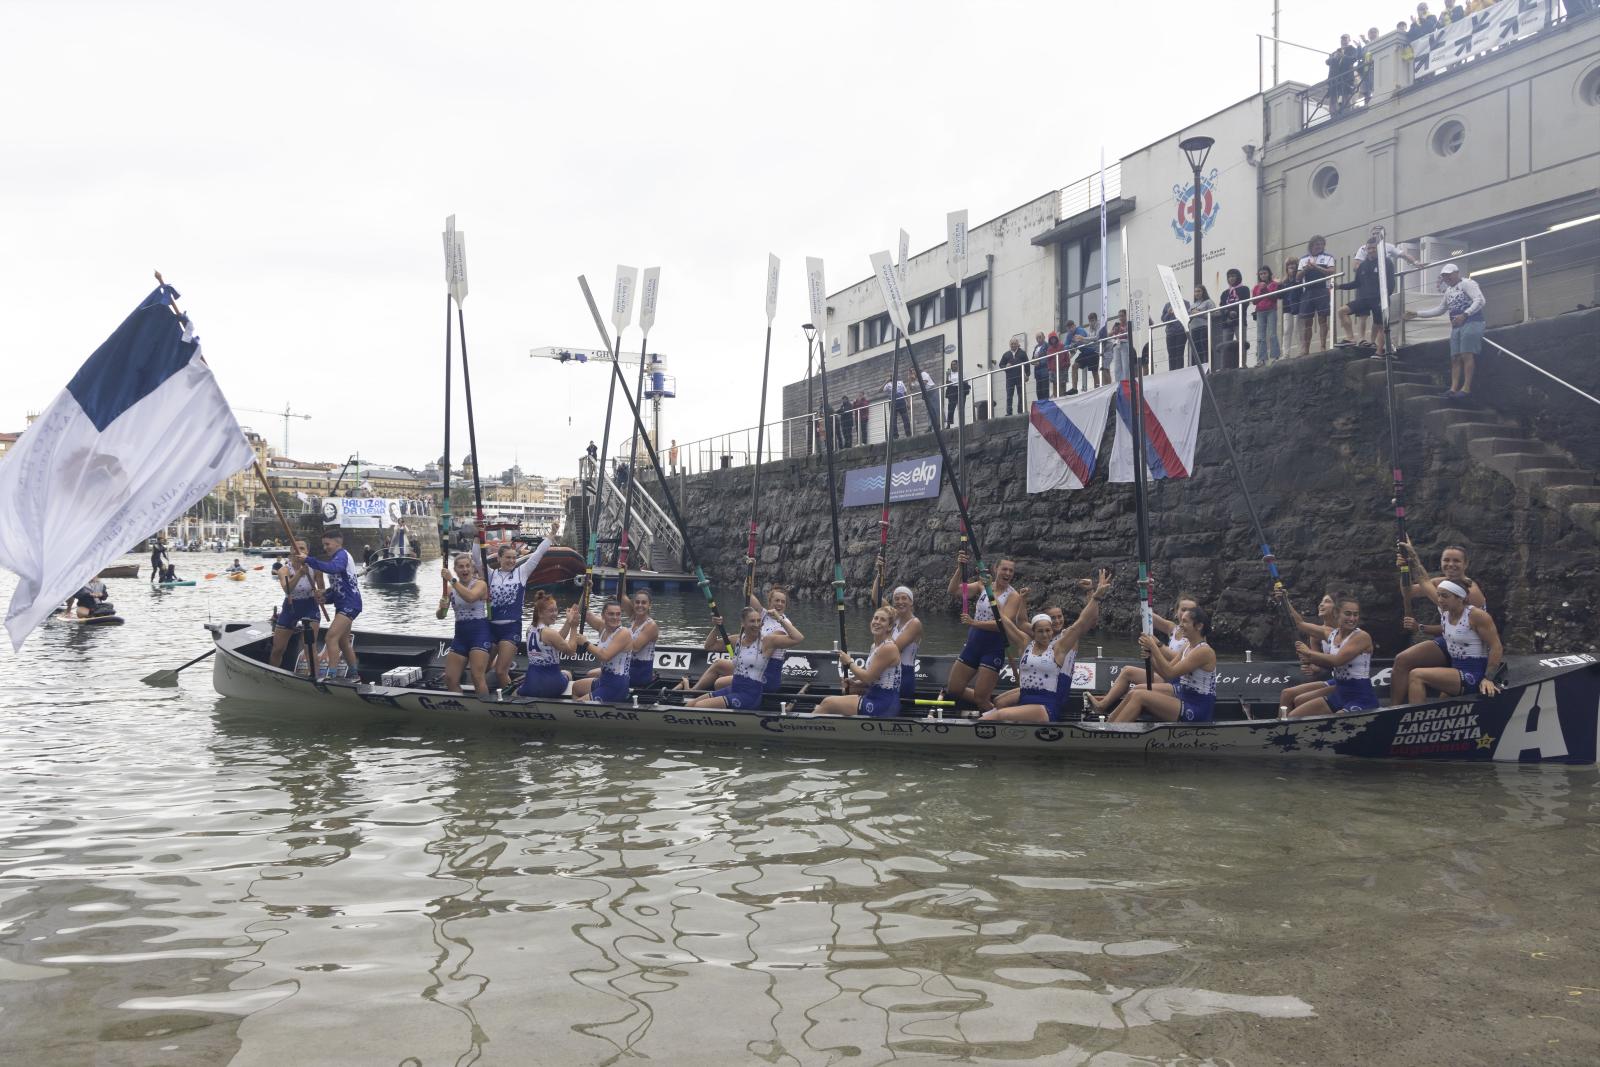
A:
(394, 564)
(121, 570)
(560, 566)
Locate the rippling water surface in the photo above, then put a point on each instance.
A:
(188, 880)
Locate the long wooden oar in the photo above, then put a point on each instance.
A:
(647, 318)
(701, 580)
(817, 290)
(761, 427)
(168, 679)
(1402, 558)
(621, 313)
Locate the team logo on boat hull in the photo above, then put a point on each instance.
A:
(984, 731)
(1048, 733)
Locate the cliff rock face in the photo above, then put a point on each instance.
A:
(1315, 453)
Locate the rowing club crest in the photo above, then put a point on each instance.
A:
(1192, 210)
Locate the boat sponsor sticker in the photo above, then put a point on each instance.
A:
(775, 724)
(902, 726)
(526, 714)
(697, 720)
(1567, 661)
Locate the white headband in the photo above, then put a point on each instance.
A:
(1042, 617)
(906, 589)
(1451, 587)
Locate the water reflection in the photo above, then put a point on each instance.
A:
(189, 880)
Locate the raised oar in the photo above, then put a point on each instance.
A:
(460, 264)
(888, 470)
(889, 284)
(1141, 490)
(449, 332)
(817, 290)
(647, 318)
(956, 260)
(1402, 559)
(621, 312)
(761, 427)
(661, 475)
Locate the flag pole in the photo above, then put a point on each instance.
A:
(817, 290)
(655, 462)
(761, 426)
(647, 318)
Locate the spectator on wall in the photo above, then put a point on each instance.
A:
(1200, 323)
(672, 455)
(847, 421)
(1289, 302)
(1114, 365)
(1080, 357)
(1422, 23)
(1264, 310)
(955, 391)
(1176, 336)
(1230, 346)
(1367, 303)
(1315, 266)
(1056, 357)
(1012, 361)
(1464, 302)
(1342, 64)
(863, 412)
(1041, 369)
(899, 410)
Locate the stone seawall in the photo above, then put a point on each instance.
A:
(1315, 454)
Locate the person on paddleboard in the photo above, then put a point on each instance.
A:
(753, 651)
(346, 597)
(880, 698)
(985, 651)
(1473, 642)
(1452, 567)
(1347, 656)
(1193, 676)
(508, 589)
(1044, 668)
(547, 643)
(468, 596)
(614, 649)
(301, 608)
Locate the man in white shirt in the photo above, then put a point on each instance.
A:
(1464, 302)
(1315, 300)
(899, 410)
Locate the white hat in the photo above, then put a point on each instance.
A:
(1451, 587)
(1449, 268)
(1041, 617)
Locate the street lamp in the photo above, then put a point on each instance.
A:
(811, 336)
(1196, 149)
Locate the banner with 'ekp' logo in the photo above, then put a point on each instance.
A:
(911, 479)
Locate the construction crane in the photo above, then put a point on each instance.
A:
(659, 385)
(286, 414)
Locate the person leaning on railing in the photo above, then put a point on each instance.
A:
(1012, 361)
(1200, 323)
(1464, 301)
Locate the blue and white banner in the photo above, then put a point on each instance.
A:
(1064, 440)
(140, 434)
(911, 479)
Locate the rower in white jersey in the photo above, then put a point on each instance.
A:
(613, 648)
(508, 588)
(1473, 641)
(907, 637)
(547, 643)
(1129, 677)
(302, 605)
(642, 668)
(1058, 625)
(1317, 683)
(1452, 567)
(1347, 656)
(466, 594)
(1193, 676)
(753, 649)
(1044, 668)
(977, 669)
(880, 676)
(774, 619)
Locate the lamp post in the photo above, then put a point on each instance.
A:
(1196, 149)
(811, 337)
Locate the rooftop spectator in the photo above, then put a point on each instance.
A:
(1342, 66)
(1422, 23)
(1465, 303)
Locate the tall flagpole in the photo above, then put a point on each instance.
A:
(621, 312)
(761, 427)
(649, 290)
(817, 290)
(655, 462)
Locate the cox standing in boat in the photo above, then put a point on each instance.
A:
(508, 588)
(341, 570)
(984, 653)
(468, 596)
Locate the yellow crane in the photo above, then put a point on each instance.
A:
(286, 414)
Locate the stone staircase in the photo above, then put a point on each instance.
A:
(1541, 469)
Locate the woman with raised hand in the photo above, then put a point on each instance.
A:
(1347, 656)
(546, 645)
(1473, 641)
(1129, 677)
(979, 662)
(345, 595)
(1045, 666)
(881, 676)
(1316, 686)
(508, 588)
(614, 649)
(753, 649)
(1193, 676)
(468, 596)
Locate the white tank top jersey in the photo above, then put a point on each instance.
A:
(468, 609)
(1360, 667)
(748, 662)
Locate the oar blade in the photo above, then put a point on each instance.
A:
(161, 679)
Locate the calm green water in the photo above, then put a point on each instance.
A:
(185, 880)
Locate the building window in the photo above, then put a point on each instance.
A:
(1325, 182)
(928, 311)
(1447, 138)
(976, 292)
(877, 331)
(1589, 88)
(855, 338)
(1080, 277)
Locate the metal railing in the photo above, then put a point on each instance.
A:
(1084, 193)
(1555, 378)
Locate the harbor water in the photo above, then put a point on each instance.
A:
(191, 880)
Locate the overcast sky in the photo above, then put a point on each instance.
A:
(288, 166)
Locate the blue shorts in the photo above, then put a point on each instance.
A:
(1467, 339)
(1053, 702)
(349, 608)
(505, 630)
(472, 635)
(641, 672)
(1353, 694)
(774, 676)
(1195, 707)
(984, 649)
(543, 682)
(878, 703)
(908, 684)
(295, 612)
(744, 693)
(1442, 646)
(1471, 669)
(609, 688)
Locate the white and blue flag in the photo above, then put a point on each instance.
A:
(140, 433)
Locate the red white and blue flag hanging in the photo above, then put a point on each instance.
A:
(1064, 439)
(1171, 425)
(138, 436)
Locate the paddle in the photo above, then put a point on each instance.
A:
(817, 291)
(208, 577)
(1402, 559)
(621, 314)
(761, 426)
(168, 679)
(647, 318)
(259, 566)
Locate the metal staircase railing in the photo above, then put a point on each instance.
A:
(652, 535)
